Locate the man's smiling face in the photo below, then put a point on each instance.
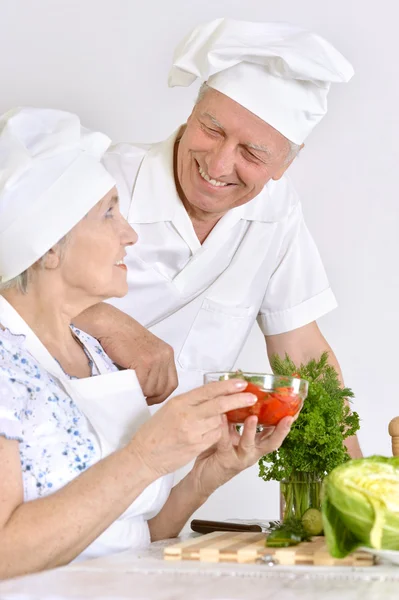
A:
(227, 155)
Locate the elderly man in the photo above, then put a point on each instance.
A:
(222, 239)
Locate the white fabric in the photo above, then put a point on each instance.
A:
(258, 261)
(114, 408)
(278, 71)
(50, 177)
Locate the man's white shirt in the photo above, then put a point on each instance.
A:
(259, 262)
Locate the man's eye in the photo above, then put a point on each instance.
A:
(210, 130)
(251, 156)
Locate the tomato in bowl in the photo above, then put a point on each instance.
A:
(278, 396)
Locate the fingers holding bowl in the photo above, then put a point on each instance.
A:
(277, 396)
(272, 439)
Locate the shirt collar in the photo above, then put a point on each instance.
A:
(155, 181)
(155, 197)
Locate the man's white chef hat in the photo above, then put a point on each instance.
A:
(278, 71)
(50, 177)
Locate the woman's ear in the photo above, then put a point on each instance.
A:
(52, 258)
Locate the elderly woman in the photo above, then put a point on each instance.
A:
(84, 468)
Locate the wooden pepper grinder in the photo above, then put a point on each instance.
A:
(394, 433)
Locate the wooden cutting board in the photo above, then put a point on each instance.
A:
(247, 547)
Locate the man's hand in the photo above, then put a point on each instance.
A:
(132, 346)
(137, 348)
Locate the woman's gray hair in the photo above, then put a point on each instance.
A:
(20, 282)
(293, 148)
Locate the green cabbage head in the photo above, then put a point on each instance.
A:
(361, 505)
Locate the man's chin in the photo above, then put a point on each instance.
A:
(209, 205)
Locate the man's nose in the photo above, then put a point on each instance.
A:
(220, 161)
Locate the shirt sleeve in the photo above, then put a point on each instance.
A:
(298, 291)
(12, 401)
(94, 347)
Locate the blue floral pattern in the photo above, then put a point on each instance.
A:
(56, 442)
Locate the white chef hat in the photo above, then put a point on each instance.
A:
(50, 177)
(278, 71)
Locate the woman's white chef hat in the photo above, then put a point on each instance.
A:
(278, 71)
(50, 177)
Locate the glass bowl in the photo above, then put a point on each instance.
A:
(278, 396)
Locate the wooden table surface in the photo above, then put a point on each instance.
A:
(146, 575)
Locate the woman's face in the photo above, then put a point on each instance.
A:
(92, 262)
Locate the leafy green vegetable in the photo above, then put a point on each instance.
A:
(315, 442)
(361, 505)
(287, 533)
(282, 539)
(255, 379)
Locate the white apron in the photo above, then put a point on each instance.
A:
(115, 407)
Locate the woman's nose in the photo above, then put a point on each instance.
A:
(130, 237)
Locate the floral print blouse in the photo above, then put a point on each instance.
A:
(56, 442)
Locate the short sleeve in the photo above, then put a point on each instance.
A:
(12, 400)
(298, 291)
(94, 348)
(16, 391)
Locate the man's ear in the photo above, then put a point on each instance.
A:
(280, 172)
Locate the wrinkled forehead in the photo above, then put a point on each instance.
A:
(226, 114)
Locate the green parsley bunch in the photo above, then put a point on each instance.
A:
(315, 443)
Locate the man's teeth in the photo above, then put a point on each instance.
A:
(120, 262)
(209, 180)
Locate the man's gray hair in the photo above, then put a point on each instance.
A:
(20, 282)
(293, 148)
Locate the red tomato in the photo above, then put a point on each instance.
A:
(256, 390)
(270, 408)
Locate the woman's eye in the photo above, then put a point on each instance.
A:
(110, 212)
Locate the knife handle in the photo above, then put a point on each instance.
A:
(200, 526)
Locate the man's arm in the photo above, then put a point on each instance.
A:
(132, 346)
(302, 345)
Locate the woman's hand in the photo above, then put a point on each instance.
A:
(188, 425)
(234, 452)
